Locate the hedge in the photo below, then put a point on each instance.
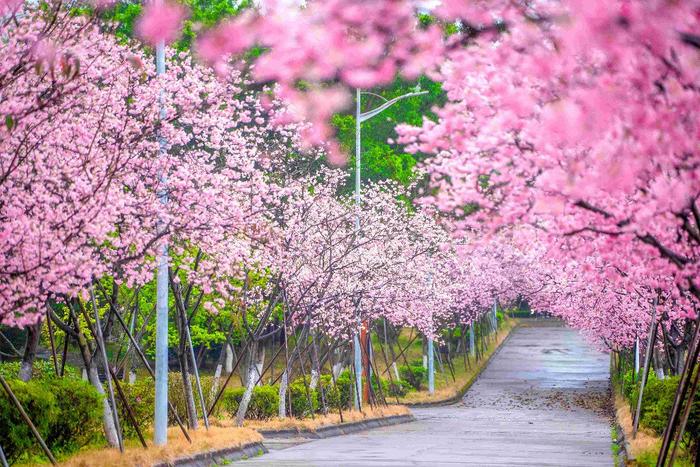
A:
(414, 375)
(264, 402)
(67, 412)
(657, 404)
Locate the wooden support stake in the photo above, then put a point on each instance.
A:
(684, 419)
(3, 459)
(143, 359)
(51, 340)
(681, 392)
(129, 412)
(647, 362)
(105, 362)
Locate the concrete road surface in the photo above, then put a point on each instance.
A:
(543, 400)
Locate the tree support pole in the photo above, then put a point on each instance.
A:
(684, 419)
(51, 340)
(431, 367)
(193, 357)
(105, 362)
(228, 378)
(144, 360)
(3, 459)
(681, 392)
(129, 411)
(647, 362)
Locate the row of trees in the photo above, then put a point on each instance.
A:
(561, 168)
(264, 245)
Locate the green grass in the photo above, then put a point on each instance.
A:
(614, 446)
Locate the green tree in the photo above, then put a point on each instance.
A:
(383, 159)
(202, 15)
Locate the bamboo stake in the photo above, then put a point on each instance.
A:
(64, 355)
(51, 340)
(684, 419)
(129, 411)
(647, 361)
(144, 360)
(186, 326)
(680, 395)
(3, 459)
(105, 361)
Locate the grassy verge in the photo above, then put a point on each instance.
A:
(447, 388)
(312, 424)
(221, 434)
(202, 441)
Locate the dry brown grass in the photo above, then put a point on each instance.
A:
(222, 434)
(312, 424)
(645, 440)
(134, 455)
(463, 378)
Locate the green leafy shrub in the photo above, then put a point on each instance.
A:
(414, 375)
(338, 395)
(346, 384)
(42, 369)
(657, 404)
(397, 388)
(67, 412)
(176, 393)
(303, 402)
(16, 438)
(264, 402)
(141, 397)
(231, 399)
(80, 414)
(629, 386)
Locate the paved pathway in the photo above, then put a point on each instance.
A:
(543, 400)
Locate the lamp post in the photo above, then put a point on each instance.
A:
(160, 425)
(359, 118)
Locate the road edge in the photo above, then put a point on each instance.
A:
(330, 431)
(217, 456)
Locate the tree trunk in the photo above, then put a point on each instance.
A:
(250, 384)
(315, 367)
(32, 343)
(107, 417)
(658, 365)
(282, 412)
(217, 372)
(229, 358)
(189, 394)
(259, 365)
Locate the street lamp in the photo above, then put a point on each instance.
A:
(160, 425)
(359, 118)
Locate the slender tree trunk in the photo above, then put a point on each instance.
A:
(94, 379)
(250, 385)
(189, 394)
(658, 365)
(259, 365)
(229, 357)
(218, 370)
(282, 412)
(30, 348)
(315, 370)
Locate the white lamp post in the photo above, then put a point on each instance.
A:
(359, 118)
(160, 426)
